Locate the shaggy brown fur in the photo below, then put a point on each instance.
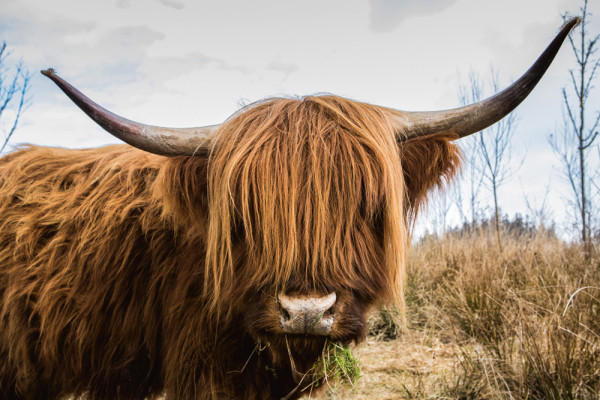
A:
(124, 275)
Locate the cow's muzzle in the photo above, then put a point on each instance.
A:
(310, 315)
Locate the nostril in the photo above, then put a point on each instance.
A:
(286, 315)
(328, 312)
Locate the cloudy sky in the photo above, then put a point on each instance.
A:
(190, 63)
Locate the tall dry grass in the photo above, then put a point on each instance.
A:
(525, 318)
(521, 322)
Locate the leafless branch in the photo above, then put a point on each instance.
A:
(13, 93)
(578, 135)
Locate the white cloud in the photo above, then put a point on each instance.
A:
(178, 5)
(123, 3)
(284, 67)
(387, 14)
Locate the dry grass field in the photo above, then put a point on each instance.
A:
(522, 322)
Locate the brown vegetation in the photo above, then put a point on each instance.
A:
(521, 323)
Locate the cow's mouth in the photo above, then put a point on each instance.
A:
(293, 363)
(297, 374)
(335, 361)
(302, 354)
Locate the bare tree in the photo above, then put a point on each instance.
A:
(538, 212)
(13, 93)
(472, 175)
(490, 151)
(437, 213)
(579, 136)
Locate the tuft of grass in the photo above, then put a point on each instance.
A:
(337, 364)
(337, 367)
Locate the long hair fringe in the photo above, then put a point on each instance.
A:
(303, 182)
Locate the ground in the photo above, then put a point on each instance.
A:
(399, 369)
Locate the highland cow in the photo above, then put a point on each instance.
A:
(215, 262)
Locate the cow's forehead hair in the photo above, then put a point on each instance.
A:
(303, 177)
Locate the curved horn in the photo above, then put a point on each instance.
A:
(154, 139)
(472, 118)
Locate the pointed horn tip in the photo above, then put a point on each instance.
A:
(48, 72)
(572, 23)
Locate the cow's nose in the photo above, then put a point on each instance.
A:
(307, 314)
